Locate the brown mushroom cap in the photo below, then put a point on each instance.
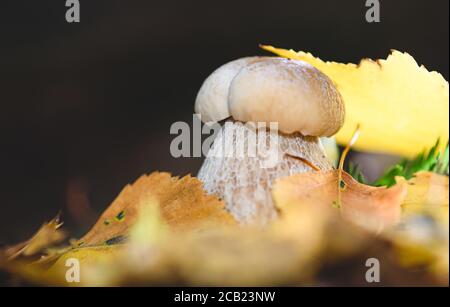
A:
(293, 93)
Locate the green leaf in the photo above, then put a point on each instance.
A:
(431, 161)
(355, 171)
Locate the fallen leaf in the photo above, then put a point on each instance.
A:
(412, 243)
(183, 205)
(246, 257)
(428, 193)
(221, 256)
(373, 208)
(308, 236)
(48, 235)
(397, 102)
(421, 240)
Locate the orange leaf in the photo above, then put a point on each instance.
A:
(370, 207)
(182, 202)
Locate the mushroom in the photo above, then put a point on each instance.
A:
(304, 104)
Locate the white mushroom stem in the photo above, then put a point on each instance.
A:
(244, 181)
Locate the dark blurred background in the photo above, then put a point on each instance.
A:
(86, 107)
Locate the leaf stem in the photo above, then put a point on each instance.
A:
(341, 184)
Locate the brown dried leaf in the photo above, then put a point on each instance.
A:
(370, 207)
(182, 202)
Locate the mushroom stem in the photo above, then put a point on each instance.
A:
(243, 163)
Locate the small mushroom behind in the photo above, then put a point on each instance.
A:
(246, 156)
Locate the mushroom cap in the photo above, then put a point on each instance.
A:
(212, 98)
(292, 93)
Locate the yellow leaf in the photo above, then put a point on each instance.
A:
(229, 256)
(427, 194)
(422, 239)
(48, 235)
(427, 188)
(401, 106)
(96, 263)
